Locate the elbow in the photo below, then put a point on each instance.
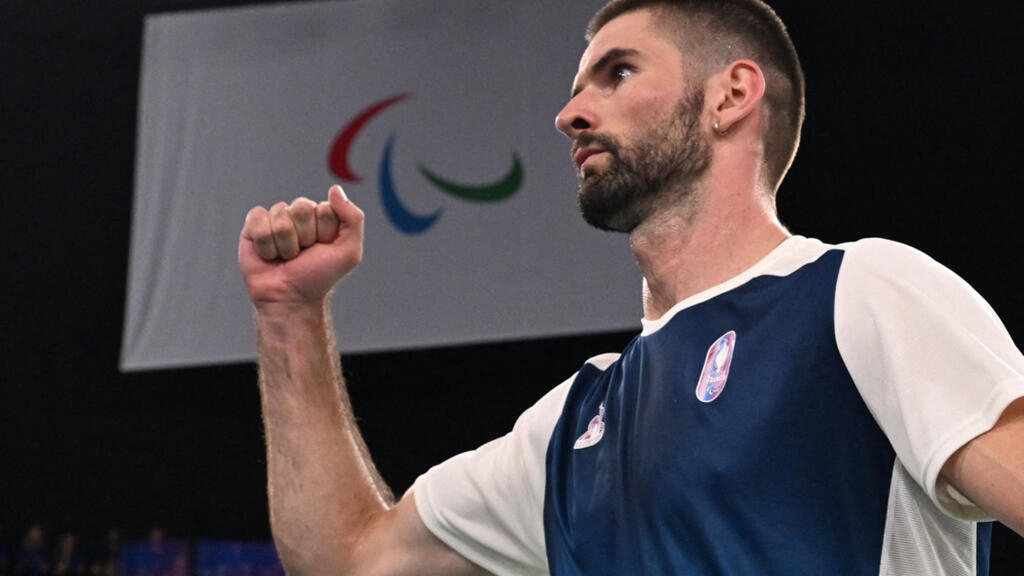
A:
(327, 554)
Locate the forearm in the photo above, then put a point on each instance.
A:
(323, 488)
(990, 469)
(329, 510)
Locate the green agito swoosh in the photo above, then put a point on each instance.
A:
(492, 192)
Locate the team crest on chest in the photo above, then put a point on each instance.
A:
(716, 368)
(594, 433)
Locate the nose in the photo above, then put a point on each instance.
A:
(575, 117)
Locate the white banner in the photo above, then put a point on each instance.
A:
(437, 118)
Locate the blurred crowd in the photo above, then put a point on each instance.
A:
(35, 554)
(66, 555)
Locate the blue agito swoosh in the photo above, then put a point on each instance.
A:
(402, 218)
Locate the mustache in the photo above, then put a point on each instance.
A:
(605, 142)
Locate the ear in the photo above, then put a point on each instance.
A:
(736, 92)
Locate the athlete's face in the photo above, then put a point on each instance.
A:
(634, 122)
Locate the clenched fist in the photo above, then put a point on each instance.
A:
(295, 253)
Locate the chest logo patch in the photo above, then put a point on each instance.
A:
(716, 368)
(594, 433)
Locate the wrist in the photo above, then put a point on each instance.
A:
(286, 321)
(281, 310)
(284, 309)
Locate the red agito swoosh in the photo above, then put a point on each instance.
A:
(337, 158)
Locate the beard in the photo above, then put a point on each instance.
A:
(659, 166)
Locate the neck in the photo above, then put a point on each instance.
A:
(711, 235)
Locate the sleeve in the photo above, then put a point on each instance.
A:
(488, 504)
(931, 359)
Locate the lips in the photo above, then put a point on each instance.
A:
(583, 153)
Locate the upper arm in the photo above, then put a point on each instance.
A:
(397, 543)
(930, 357)
(989, 470)
(485, 504)
(479, 512)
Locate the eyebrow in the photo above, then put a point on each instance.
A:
(606, 59)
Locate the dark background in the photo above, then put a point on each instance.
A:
(912, 117)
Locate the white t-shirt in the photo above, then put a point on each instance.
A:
(913, 361)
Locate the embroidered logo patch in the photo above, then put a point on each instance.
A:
(594, 433)
(716, 368)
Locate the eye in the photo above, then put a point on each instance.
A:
(620, 72)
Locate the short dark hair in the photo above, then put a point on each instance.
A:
(711, 34)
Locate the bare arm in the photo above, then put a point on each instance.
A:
(990, 468)
(330, 511)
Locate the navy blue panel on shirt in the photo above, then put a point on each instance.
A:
(984, 551)
(785, 472)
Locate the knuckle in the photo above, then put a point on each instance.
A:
(257, 223)
(280, 219)
(283, 229)
(302, 212)
(254, 213)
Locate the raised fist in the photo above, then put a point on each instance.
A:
(295, 253)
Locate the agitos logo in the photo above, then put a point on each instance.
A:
(402, 217)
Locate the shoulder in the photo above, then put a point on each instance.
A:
(886, 256)
(541, 417)
(487, 504)
(874, 267)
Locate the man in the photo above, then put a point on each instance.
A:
(789, 408)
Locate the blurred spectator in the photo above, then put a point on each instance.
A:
(105, 555)
(232, 558)
(157, 556)
(33, 559)
(112, 558)
(67, 558)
